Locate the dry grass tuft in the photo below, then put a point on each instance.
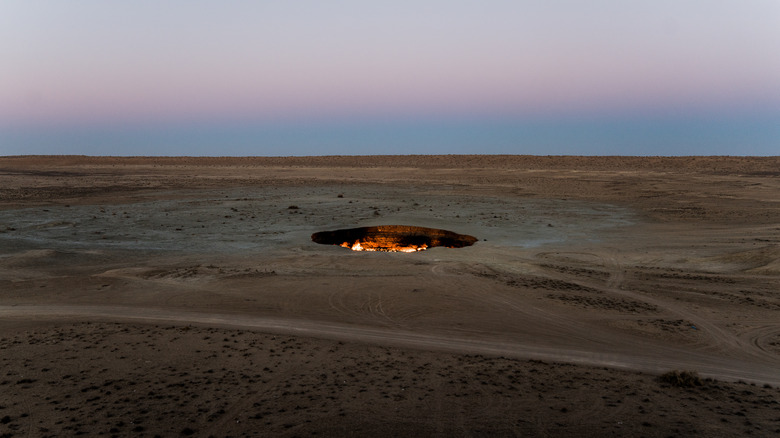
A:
(681, 379)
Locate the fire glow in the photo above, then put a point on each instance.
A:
(393, 238)
(371, 246)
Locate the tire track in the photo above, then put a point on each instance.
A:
(719, 338)
(722, 339)
(654, 358)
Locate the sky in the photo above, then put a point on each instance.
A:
(103, 75)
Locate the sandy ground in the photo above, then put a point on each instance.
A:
(183, 296)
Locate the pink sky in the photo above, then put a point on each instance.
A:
(114, 61)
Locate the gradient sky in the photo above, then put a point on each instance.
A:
(93, 62)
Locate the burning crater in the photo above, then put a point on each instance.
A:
(393, 238)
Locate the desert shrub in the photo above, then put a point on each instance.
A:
(681, 379)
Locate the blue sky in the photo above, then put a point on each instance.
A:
(130, 67)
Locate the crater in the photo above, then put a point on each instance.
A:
(393, 238)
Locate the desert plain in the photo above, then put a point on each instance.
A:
(185, 297)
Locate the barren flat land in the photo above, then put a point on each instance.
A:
(184, 296)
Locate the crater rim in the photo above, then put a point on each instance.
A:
(393, 238)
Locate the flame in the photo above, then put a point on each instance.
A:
(369, 246)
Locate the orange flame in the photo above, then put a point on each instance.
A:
(370, 246)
